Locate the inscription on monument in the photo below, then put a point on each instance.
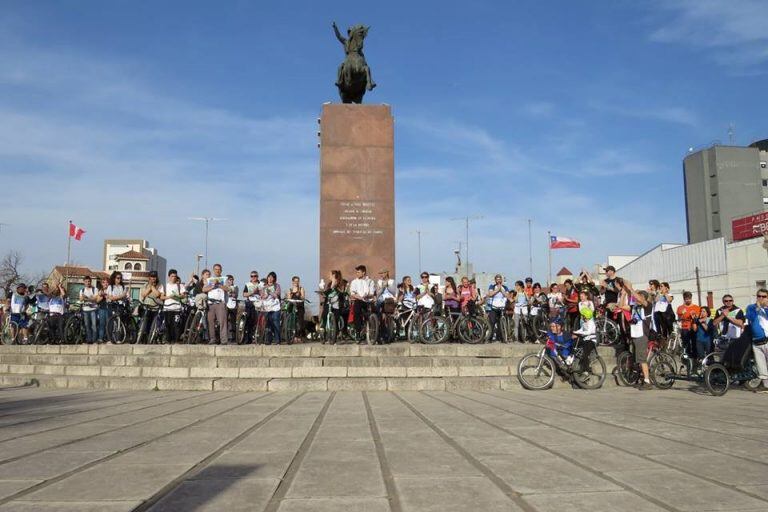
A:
(357, 219)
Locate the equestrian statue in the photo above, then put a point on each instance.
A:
(354, 76)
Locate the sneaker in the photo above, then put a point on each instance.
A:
(645, 386)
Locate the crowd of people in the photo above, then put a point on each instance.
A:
(641, 315)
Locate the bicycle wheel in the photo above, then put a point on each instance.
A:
(592, 375)
(72, 330)
(142, 333)
(434, 329)
(413, 330)
(751, 369)
(372, 329)
(116, 330)
(10, 333)
(41, 334)
(661, 369)
(156, 330)
(196, 329)
(626, 369)
(607, 331)
(506, 325)
(472, 329)
(536, 371)
(240, 327)
(716, 379)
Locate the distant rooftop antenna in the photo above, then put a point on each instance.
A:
(730, 134)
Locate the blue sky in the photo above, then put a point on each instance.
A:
(129, 117)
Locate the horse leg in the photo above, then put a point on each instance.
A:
(368, 79)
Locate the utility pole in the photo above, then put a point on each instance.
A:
(466, 221)
(530, 251)
(207, 220)
(3, 224)
(418, 236)
(698, 285)
(549, 246)
(197, 267)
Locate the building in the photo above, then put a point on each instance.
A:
(74, 276)
(132, 255)
(563, 276)
(708, 269)
(723, 183)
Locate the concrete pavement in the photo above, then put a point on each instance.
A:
(613, 449)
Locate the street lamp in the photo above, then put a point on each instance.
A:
(207, 220)
(418, 235)
(198, 258)
(466, 221)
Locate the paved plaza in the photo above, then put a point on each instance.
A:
(612, 449)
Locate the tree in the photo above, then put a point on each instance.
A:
(9, 269)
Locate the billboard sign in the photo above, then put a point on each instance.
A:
(750, 226)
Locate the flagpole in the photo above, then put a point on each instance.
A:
(69, 250)
(549, 246)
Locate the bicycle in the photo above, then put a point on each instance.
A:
(533, 325)
(331, 322)
(40, 328)
(629, 370)
(121, 325)
(467, 325)
(407, 323)
(10, 332)
(150, 315)
(370, 328)
(584, 367)
(74, 325)
(289, 320)
(607, 330)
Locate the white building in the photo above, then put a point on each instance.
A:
(708, 269)
(137, 255)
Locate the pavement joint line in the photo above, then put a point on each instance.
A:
(83, 411)
(577, 415)
(573, 461)
(54, 447)
(293, 468)
(386, 471)
(109, 457)
(156, 400)
(516, 497)
(176, 482)
(644, 457)
(723, 420)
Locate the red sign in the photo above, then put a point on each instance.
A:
(750, 226)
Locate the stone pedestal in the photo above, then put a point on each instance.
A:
(357, 189)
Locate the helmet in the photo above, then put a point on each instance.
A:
(587, 313)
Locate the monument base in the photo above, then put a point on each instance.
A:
(357, 189)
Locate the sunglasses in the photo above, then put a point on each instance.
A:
(762, 296)
(728, 300)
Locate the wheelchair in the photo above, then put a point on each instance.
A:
(736, 364)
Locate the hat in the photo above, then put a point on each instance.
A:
(384, 271)
(20, 285)
(610, 267)
(528, 279)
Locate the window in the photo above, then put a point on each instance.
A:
(765, 200)
(128, 266)
(763, 165)
(137, 266)
(135, 293)
(765, 183)
(760, 284)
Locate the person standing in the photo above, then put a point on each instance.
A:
(729, 319)
(172, 294)
(362, 290)
(297, 294)
(496, 298)
(216, 288)
(56, 309)
(270, 302)
(102, 312)
(88, 298)
(687, 312)
(640, 329)
(704, 333)
(757, 315)
(521, 309)
(252, 296)
(571, 300)
(232, 294)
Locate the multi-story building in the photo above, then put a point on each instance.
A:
(132, 255)
(723, 183)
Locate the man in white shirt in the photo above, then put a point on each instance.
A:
(385, 287)
(251, 292)
(88, 298)
(172, 294)
(361, 290)
(216, 288)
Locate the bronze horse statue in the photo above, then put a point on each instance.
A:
(354, 76)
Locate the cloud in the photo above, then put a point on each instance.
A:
(668, 114)
(734, 31)
(539, 109)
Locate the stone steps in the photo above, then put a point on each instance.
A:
(307, 367)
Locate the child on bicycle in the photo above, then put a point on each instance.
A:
(587, 315)
(558, 345)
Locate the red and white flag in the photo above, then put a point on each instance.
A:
(559, 242)
(76, 232)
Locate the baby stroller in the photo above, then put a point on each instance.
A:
(737, 364)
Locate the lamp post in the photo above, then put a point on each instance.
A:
(197, 265)
(466, 222)
(207, 220)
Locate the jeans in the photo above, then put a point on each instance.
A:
(90, 326)
(494, 317)
(703, 347)
(102, 314)
(688, 338)
(173, 326)
(273, 324)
